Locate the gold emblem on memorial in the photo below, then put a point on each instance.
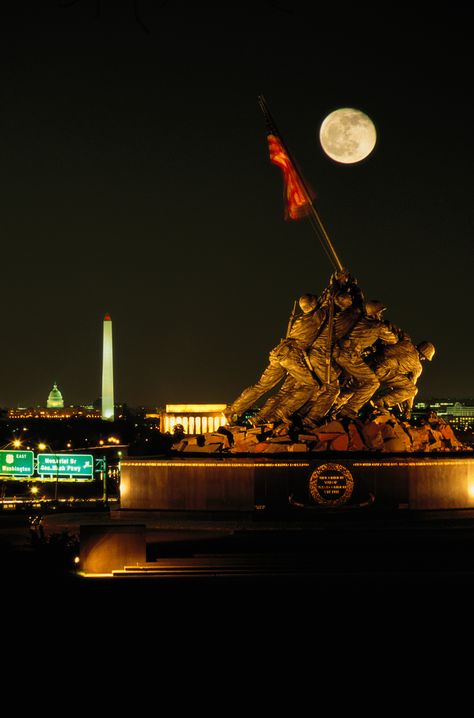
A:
(331, 484)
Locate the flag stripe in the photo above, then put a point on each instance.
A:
(297, 202)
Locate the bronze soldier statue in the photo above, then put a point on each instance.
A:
(347, 299)
(341, 282)
(398, 369)
(313, 403)
(346, 316)
(348, 354)
(289, 356)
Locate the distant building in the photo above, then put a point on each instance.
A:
(194, 418)
(461, 416)
(55, 398)
(66, 412)
(458, 415)
(54, 409)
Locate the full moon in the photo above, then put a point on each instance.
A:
(347, 135)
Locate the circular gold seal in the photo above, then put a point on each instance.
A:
(331, 484)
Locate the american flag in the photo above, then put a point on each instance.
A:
(297, 201)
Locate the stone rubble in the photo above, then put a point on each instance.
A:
(382, 432)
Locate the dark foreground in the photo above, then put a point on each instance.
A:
(320, 562)
(281, 603)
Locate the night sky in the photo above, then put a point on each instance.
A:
(135, 180)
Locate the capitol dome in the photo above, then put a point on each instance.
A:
(55, 398)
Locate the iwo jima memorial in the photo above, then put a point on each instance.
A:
(337, 431)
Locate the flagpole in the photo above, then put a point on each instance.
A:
(317, 222)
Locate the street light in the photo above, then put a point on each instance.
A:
(15, 443)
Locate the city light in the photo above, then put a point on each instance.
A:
(42, 446)
(34, 489)
(194, 408)
(17, 443)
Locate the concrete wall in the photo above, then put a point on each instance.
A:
(105, 548)
(186, 485)
(243, 484)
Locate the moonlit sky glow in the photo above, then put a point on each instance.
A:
(135, 180)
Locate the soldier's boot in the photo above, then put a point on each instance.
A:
(309, 424)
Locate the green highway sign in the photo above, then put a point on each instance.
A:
(70, 465)
(16, 463)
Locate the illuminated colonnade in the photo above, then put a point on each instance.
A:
(194, 418)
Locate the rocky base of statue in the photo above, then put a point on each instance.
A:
(380, 432)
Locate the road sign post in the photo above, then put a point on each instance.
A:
(66, 466)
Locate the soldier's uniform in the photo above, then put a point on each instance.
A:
(323, 399)
(398, 369)
(348, 355)
(289, 356)
(292, 396)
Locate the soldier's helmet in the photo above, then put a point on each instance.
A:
(343, 300)
(373, 307)
(308, 302)
(426, 350)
